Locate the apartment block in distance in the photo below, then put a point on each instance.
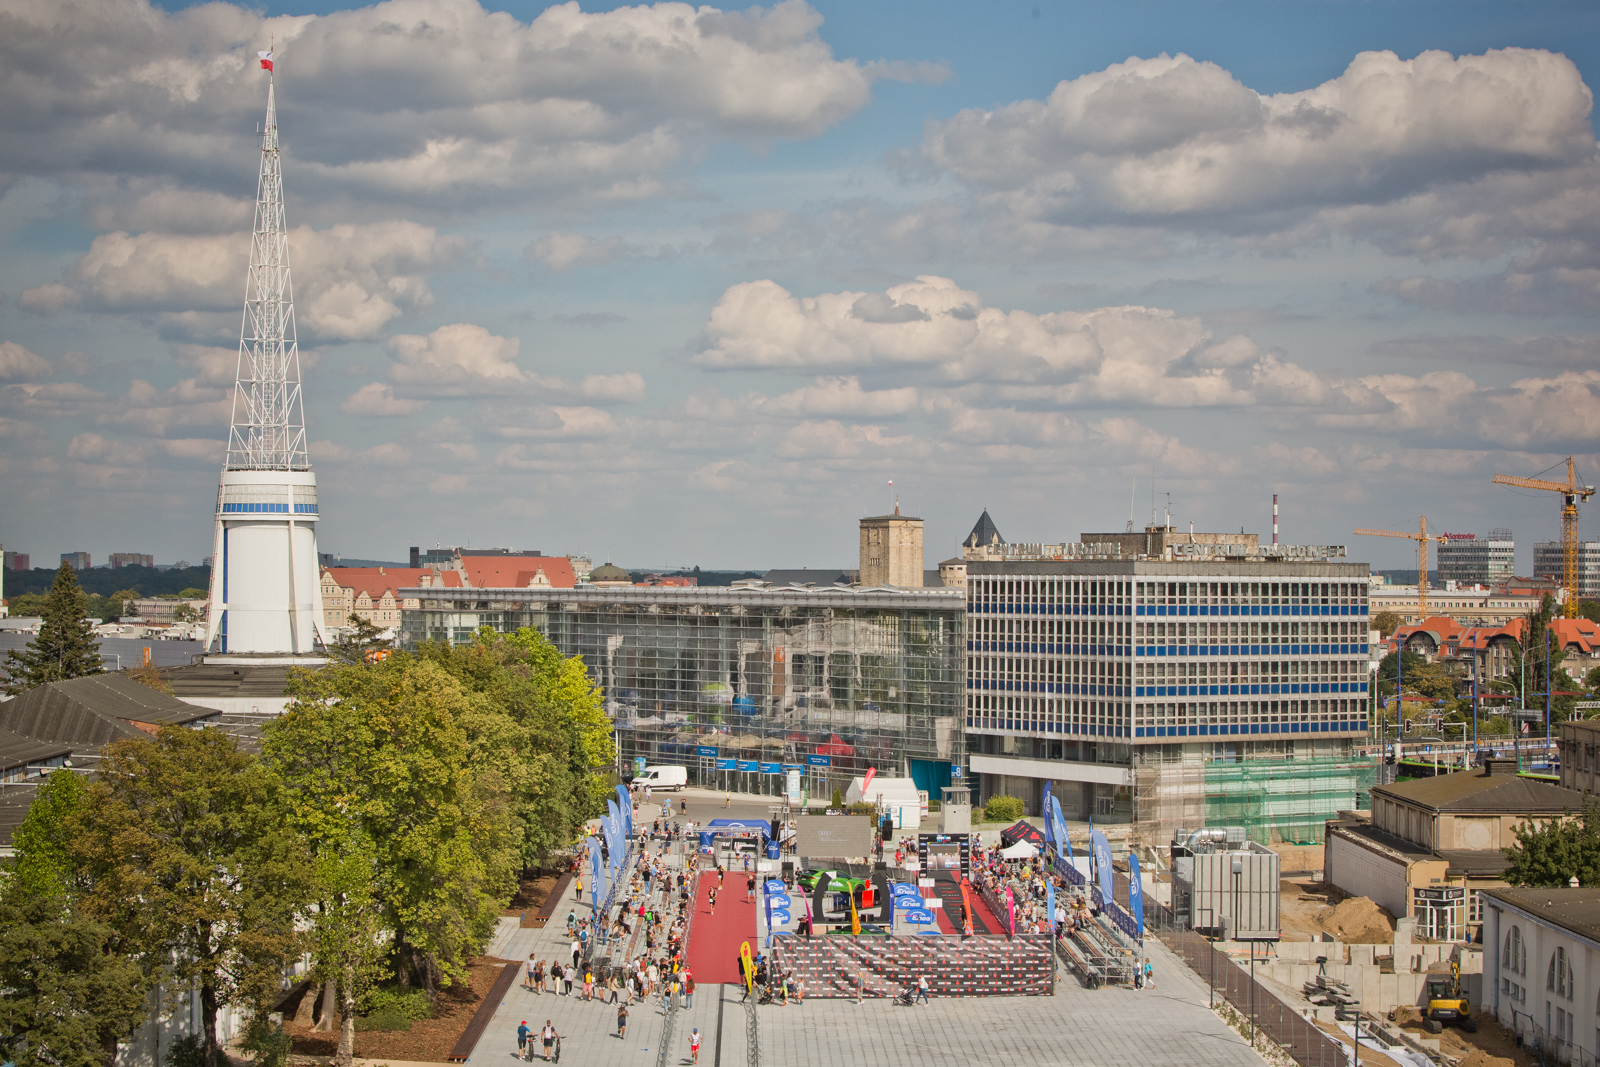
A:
(1468, 559)
(18, 561)
(132, 559)
(1170, 679)
(78, 561)
(1548, 562)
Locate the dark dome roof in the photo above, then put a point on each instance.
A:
(607, 572)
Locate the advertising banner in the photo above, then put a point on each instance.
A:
(1102, 862)
(1136, 894)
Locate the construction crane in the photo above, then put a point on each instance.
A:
(1421, 537)
(1572, 494)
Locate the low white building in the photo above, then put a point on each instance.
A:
(1542, 968)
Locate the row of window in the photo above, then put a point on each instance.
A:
(1102, 592)
(268, 509)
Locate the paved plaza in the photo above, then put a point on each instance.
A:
(1170, 1024)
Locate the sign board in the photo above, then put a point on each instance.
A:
(945, 852)
(819, 761)
(705, 750)
(771, 768)
(726, 764)
(748, 765)
(834, 836)
(955, 772)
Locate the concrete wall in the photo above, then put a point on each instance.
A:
(1400, 980)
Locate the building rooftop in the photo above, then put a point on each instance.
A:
(18, 751)
(375, 581)
(984, 532)
(227, 680)
(1577, 910)
(807, 576)
(95, 710)
(517, 572)
(1477, 790)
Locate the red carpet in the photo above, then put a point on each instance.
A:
(714, 942)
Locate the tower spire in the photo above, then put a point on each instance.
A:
(266, 595)
(268, 427)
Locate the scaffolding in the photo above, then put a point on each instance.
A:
(1278, 801)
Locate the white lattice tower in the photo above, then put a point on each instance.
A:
(268, 429)
(266, 595)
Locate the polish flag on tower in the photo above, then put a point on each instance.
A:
(266, 60)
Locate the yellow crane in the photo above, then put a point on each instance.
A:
(1572, 494)
(1421, 537)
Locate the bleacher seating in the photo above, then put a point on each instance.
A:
(973, 967)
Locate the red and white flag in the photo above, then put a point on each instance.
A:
(266, 60)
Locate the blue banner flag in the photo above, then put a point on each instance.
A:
(1102, 863)
(625, 801)
(1049, 823)
(1060, 823)
(1136, 894)
(594, 866)
(1050, 902)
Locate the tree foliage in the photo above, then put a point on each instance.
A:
(43, 866)
(183, 848)
(1418, 676)
(1549, 855)
(63, 648)
(1386, 623)
(361, 639)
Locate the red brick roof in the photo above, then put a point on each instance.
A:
(374, 581)
(517, 572)
(1580, 634)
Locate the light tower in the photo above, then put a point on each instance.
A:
(265, 592)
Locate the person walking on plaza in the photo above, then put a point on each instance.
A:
(711, 898)
(922, 989)
(694, 1045)
(538, 977)
(548, 1035)
(528, 985)
(1149, 974)
(522, 1040)
(750, 888)
(577, 888)
(728, 803)
(861, 983)
(688, 988)
(622, 1021)
(577, 951)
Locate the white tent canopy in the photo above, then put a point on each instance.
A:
(1019, 851)
(898, 795)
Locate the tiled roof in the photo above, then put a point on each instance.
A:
(19, 751)
(1446, 632)
(518, 572)
(984, 532)
(1475, 790)
(375, 581)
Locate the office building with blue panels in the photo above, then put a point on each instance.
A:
(1095, 667)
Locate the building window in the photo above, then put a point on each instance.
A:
(1513, 956)
(1558, 976)
(1475, 906)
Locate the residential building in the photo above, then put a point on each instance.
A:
(891, 551)
(1541, 966)
(370, 593)
(1483, 652)
(78, 561)
(740, 684)
(1550, 562)
(17, 561)
(1493, 605)
(132, 559)
(1468, 559)
(164, 610)
(1431, 846)
(1170, 679)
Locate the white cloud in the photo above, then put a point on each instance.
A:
(19, 364)
(351, 281)
(376, 400)
(1173, 138)
(464, 359)
(426, 101)
(567, 251)
(51, 299)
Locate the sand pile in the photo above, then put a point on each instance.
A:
(1358, 921)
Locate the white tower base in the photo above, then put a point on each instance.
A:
(266, 591)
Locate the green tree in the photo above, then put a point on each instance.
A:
(1592, 679)
(184, 849)
(43, 866)
(185, 613)
(27, 605)
(349, 935)
(383, 749)
(70, 994)
(1549, 855)
(1421, 677)
(361, 639)
(1386, 623)
(192, 593)
(121, 598)
(64, 646)
(1589, 609)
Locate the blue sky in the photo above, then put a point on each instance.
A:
(675, 286)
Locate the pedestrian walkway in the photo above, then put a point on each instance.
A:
(715, 939)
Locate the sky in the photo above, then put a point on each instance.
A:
(671, 285)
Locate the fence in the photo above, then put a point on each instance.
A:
(1267, 1012)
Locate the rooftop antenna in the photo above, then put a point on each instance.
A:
(1152, 494)
(1133, 489)
(1274, 518)
(1167, 522)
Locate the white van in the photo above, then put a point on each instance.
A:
(663, 778)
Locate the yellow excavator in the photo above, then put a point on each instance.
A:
(1446, 1004)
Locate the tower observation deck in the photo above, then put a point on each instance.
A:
(265, 593)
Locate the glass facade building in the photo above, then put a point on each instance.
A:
(739, 685)
(1472, 560)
